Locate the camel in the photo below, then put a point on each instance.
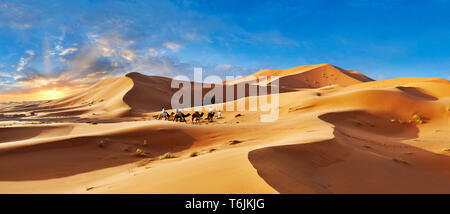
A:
(197, 116)
(166, 116)
(180, 116)
(210, 116)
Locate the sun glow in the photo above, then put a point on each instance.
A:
(51, 94)
(42, 94)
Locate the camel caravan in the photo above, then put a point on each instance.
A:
(179, 116)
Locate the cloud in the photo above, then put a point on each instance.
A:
(17, 77)
(18, 15)
(107, 55)
(23, 61)
(67, 51)
(86, 67)
(122, 43)
(21, 64)
(114, 46)
(154, 52)
(30, 52)
(3, 74)
(104, 56)
(173, 46)
(3, 83)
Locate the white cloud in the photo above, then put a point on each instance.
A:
(3, 74)
(67, 51)
(173, 46)
(154, 52)
(3, 83)
(127, 54)
(17, 15)
(58, 48)
(114, 47)
(23, 61)
(30, 52)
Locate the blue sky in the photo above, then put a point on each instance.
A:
(48, 44)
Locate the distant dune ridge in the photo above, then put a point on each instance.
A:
(338, 132)
(311, 76)
(137, 93)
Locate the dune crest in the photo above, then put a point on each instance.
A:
(136, 94)
(310, 76)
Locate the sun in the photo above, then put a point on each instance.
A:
(42, 94)
(51, 94)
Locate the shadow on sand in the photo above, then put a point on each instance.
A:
(84, 154)
(365, 156)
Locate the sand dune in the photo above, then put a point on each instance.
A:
(338, 132)
(310, 76)
(356, 160)
(136, 94)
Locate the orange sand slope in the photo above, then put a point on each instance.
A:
(136, 94)
(310, 76)
(343, 134)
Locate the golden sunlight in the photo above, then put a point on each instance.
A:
(50, 94)
(43, 94)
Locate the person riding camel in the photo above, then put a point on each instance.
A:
(196, 116)
(210, 114)
(180, 116)
(163, 111)
(163, 114)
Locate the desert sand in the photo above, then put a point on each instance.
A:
(338, 132)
